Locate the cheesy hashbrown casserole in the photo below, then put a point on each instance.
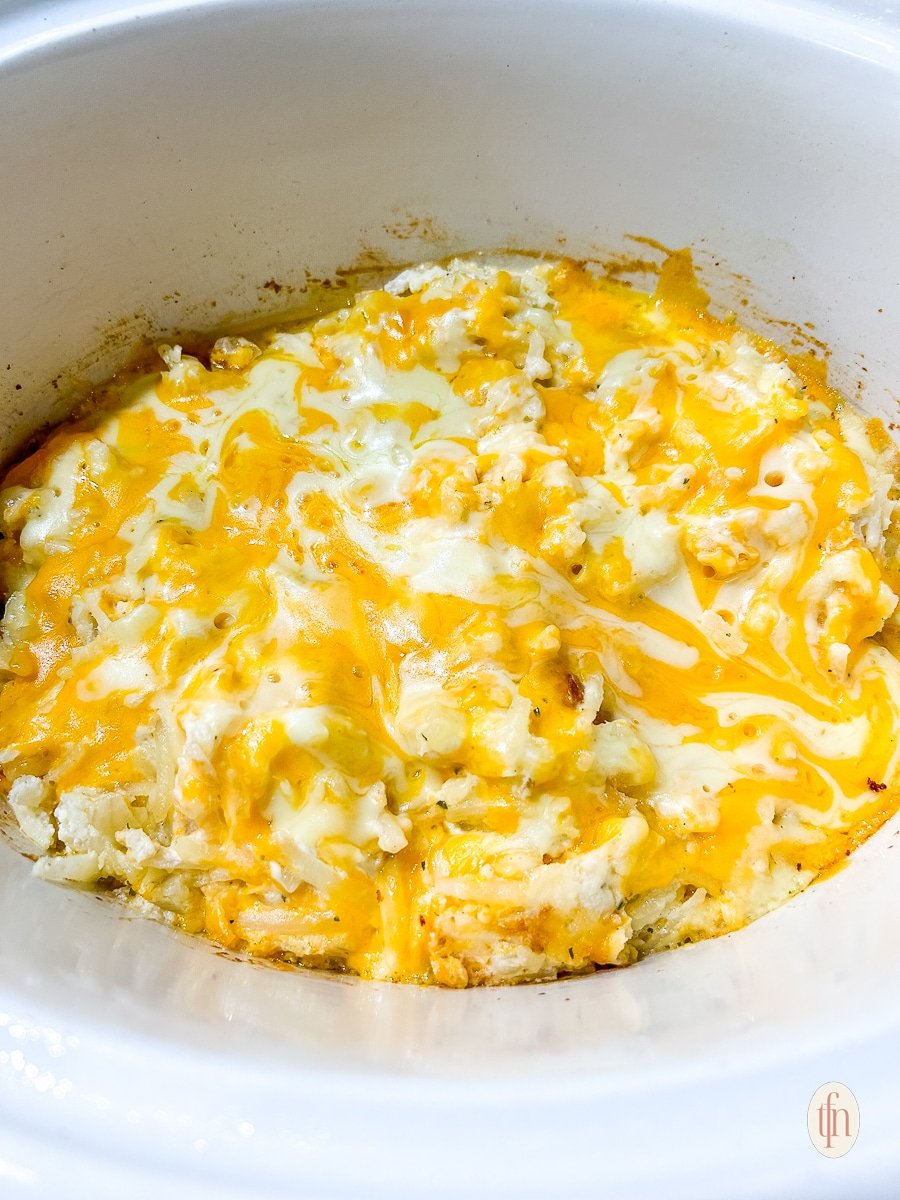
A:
(505, 623)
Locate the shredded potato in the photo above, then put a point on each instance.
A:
(503, 624)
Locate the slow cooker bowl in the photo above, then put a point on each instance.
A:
(164, 165)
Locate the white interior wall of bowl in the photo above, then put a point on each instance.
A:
(174, 157)
(151, 168)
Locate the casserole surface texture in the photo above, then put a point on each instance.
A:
(505, 623)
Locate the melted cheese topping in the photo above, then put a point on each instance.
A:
(502, 624)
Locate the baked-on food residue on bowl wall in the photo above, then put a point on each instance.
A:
(505, 623)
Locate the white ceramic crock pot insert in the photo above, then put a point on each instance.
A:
(156, 157)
